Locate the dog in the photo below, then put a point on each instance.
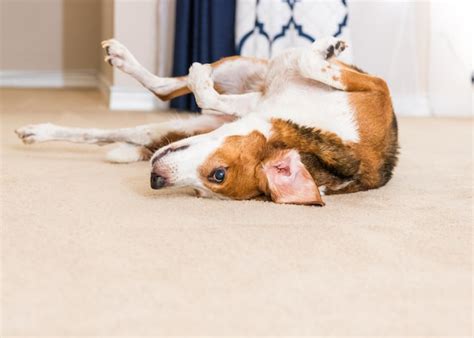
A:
(289, 129)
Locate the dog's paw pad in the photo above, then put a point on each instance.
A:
(336, 49)
(329, 47)
(117, 55)
(113, 47)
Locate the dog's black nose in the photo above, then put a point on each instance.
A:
(157, 181)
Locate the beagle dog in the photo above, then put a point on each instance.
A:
(290, 129)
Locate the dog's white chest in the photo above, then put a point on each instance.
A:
(312, 106)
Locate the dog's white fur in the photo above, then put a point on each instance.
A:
(294, 81)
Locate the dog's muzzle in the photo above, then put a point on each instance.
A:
(159, 173)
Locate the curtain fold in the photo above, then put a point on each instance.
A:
(204, 32)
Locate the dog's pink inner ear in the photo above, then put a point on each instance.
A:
(289, 181)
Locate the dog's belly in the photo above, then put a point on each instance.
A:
(312, 106)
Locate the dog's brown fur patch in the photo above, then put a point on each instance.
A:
(178, 92)
(145, 153)
(343, 166)
(327, 146)
(241, 156)
(378, 146)
(330, 161)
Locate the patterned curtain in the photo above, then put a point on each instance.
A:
(264, 28)
(205, 32)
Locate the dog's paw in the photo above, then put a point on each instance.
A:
(34, 133)
(329, 47)
(119, 56)
(200, 75)
(201, 84)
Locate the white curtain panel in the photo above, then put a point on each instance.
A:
(264, 28)
(421, 49)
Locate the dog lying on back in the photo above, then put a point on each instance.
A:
(292, 128)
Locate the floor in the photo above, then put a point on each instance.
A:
(89, 249)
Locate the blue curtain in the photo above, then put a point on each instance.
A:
(205, 32)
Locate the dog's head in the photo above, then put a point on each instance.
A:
(235, 167)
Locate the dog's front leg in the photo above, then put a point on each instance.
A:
(201, 83)
(149, 135)
(120, 57)
(45, 132)
(139, 141)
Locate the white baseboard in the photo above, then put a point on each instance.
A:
(48, 79)
(134, 98)
(118, 97)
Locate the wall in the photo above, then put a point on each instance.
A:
(135, 26)
(56, 43)
(146, 27)
(106, 32)
(393, 44)
(81, 34)
(49, 35)
(31, 35)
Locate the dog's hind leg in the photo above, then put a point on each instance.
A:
(146, 138)
(317, 63)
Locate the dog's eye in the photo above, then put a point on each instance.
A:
(218, 175)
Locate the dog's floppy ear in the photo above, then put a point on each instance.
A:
(289, 181)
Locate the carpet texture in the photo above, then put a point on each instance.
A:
(89, 249)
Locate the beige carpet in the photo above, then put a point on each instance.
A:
(89, 249)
